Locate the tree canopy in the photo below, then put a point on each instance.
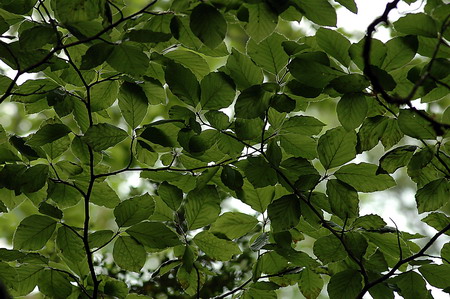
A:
(212, 102)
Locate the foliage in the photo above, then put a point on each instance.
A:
(212, 100)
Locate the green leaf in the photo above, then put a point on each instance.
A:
(134, 210)
(349, 4)
(370, 221)
(133, 103)
(252, 102)
(128, 59)
(257, 198)
(433, 195)
(100, 238)
(183, 83)
(299, 145)
(154, 235)
(243, 71)
(345, 284)
(49, 210)
(312, 69)
(411, 285)
(171, 195)
(33, 232)
(103, 95)
(34, 178)
(208, 24)
(363, 177)
(352, 83)
(217, 119)
(217, 91)
(48, 133)
(202, 207)
(417, 24)
(303, 125)
(412, 124)
(194, 62)
(269, 53)
(103, 195)
(103, 136)
(310, 284)
(27, 278)
(336, 147)
(352, 110)
(70, 244)
(262, 21)
(231, 178)
(334, 44)
(445, 252)
(284, 213)
(438, 221)
(271, 263)
(54, 284)
(436, 275)
(253, 170)
(343, 198)
(396, 158)
(400, 51)
(319, 11)
(329, 249)
(129, 254)
(216, 248)
(234, 224)
(95, 55)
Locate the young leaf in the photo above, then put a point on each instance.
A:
(183, 83)
(133, 103)
(414, 125)
(310, 283)
(134, 210)
(343, 198)
(334, 44)
(411, 285)
(345, 284)
(243, 71)
(269, 53)
(70, 244)
(363, 177)
(433, 195)
(336, 147)
(154, 235)
(33, 232)
(216, 248)
(417, 24)
(319, 11)
(262, 21)
(234, 224)
(171, 195)
(208, 24)
(128, 59)
(217, 91)
(54, 284)
(329, 249)
(202, 207)
(284, 213)
(48, 133)
(129, 254)
(396, 158)
(103, 136)
(436, 275)
(103, 195)
(352, 110)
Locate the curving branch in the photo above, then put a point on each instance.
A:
(438, 126)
